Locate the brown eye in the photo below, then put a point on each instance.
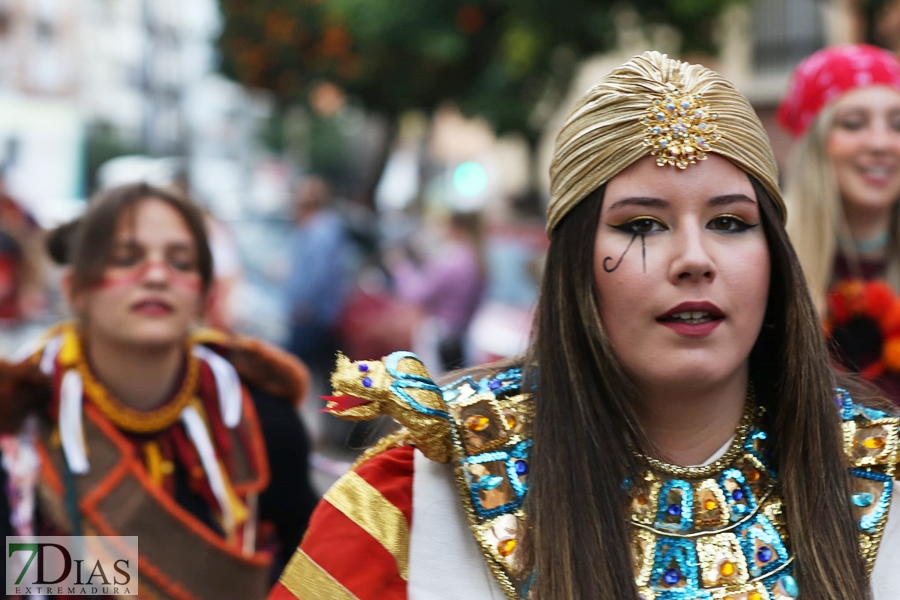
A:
(181, 259)
(125, 257)
(182, 264)
(641, 226)
(854, 123)
(729, 224)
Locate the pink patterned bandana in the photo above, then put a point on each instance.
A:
(829, 73)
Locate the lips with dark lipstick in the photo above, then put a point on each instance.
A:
(693, 318)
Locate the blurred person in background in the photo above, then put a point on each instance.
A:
(21, 261)
(843, 190)
(227, 272)
(192, 434)
(672, 430)
(318, 277)
(445, 276)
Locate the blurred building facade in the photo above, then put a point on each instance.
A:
(82, 81)
(764, 40)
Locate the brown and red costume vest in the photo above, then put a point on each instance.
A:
(185, 478)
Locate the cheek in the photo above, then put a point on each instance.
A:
(750, 282)
(842, 146)
(114, 279)
(185, 282)
(179, 280)
(104, 303)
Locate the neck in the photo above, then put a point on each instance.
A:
(687, 426)
(865, 225)
(139, 377)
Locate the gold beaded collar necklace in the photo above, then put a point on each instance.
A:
(72, 355)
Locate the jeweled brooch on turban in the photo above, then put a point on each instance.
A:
(680, 129)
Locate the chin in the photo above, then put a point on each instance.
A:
(158, 336)
(869, 199)
(696, 375)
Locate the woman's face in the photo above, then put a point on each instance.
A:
(152, 290)
(864, 148)
(682, 270)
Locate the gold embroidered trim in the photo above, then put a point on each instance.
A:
(760, 508)
(388, 442)
(375, 514)
(498, 569)
(882, 461)
(306, 580)
(124, 417)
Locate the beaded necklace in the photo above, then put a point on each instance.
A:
(714, 531)
(124, 417)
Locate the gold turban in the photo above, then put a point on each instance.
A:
(655, 105)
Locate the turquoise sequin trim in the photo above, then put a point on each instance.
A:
(693, 526)
(761, 530)
(666, 516)
(677, 556)
(404, 380)
(869, 521)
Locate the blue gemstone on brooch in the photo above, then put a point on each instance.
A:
(364, 368)
(672, 576)
(789, 585)
(494, 385)
(674, 510)
(367, 381)
(764, 554)
(862, 500)
(738, 495)
(489, 482)
(521, 467)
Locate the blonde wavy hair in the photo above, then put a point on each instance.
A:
(818, 226)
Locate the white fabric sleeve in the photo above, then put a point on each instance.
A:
(886, 575)
(444, 560)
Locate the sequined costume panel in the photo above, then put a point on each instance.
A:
(713, 532)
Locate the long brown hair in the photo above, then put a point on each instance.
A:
(578, 537)
(86, 243)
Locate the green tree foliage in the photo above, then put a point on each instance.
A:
(497, 58)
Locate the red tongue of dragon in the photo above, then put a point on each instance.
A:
(342, 403)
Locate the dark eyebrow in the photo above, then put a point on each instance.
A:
(730, 199)
(660, 203)
(640, 201)
(180, 246)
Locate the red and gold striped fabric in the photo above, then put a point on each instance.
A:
(357, 544)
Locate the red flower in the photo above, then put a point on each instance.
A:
(852, 299)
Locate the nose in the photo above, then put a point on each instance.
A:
(881, 137)
(156, 273)
(691, 261)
